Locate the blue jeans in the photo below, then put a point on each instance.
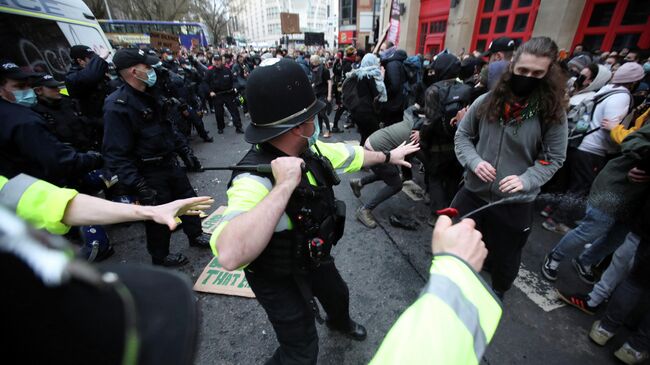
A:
(617, 270)
(599, 229)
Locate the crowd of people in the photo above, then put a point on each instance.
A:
(495, 135)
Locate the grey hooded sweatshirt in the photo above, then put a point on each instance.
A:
(511, 151)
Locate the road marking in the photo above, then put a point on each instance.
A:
(540, 291)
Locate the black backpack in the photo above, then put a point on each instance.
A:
(452, 96)
(349, 94)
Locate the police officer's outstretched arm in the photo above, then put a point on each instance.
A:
(395, 156)
(55, 209)
(246, 236)
(456, 315)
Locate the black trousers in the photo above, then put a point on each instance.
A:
(505, 230)
(366, 123)
(170, 183)
(291, 314)
(443, 175)
(389, 174)
(584, 167)
(227, 100)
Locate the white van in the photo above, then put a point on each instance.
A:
(38, 34)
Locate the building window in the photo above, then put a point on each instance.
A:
(348, 12)
(502, 23)
(504, 18)
(626, 40)
(485, 26)
(488, 6)
(520, 23)
(636, 13)
(525, 3)
(602, 15)
(610, 25)
(505, 4)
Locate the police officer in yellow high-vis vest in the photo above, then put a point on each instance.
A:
(282, 224)
(457, 313)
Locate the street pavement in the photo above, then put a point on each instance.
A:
(385, 269)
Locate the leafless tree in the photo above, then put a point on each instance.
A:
(215, 14)
(168, 10)
(98, 8)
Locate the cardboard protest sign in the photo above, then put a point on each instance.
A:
(212, 221)
(215, 279)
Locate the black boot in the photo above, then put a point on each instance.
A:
(353, 330)
(201, 240)
(171, 260)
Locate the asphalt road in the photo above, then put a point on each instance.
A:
(385, 269)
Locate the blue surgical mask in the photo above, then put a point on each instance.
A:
(314, 137)
(151, 77)
(426, 63)
(25, 97)
(169, 58)
(646, 67)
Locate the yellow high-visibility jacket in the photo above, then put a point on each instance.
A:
(38, 202)
(247, 190)
(450, 324)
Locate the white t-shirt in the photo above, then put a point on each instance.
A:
(614, 106)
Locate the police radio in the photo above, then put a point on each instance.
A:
(329, 174)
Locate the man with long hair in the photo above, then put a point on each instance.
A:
(511, 141)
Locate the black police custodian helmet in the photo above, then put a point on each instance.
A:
(279, 98)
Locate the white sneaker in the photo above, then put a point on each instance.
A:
(600, 335)
(629, 355)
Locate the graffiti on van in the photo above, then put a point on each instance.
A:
(54, 60)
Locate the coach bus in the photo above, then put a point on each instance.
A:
(136, 32)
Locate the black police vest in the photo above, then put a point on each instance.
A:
(313, 210)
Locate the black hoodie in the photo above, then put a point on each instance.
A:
(394, 79)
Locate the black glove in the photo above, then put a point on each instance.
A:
(146, 195)
(192, 163)
(96, 160)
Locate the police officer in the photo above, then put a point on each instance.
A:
(168, 61)
(86, 80)
(26, 145)
(66, 123)
(140, 145)
(220, 80)
(282, 225)
(188, 95)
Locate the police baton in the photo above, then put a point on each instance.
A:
(263, 168)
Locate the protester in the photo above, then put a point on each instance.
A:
(525, 106)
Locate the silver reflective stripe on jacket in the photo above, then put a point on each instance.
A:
(14, 189)
(447, 291)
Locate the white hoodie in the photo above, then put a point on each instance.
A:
(602, 78)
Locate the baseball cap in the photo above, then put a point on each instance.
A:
(166, 50)
(501, 44)
(11, 70)
(48, 81)
(127, 57)
(80, 51)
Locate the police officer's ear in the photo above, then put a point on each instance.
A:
(39, 90)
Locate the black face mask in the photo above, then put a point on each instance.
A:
(429, 79)
(523, 85)
(580, 81)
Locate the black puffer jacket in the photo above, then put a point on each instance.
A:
(394, 78)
